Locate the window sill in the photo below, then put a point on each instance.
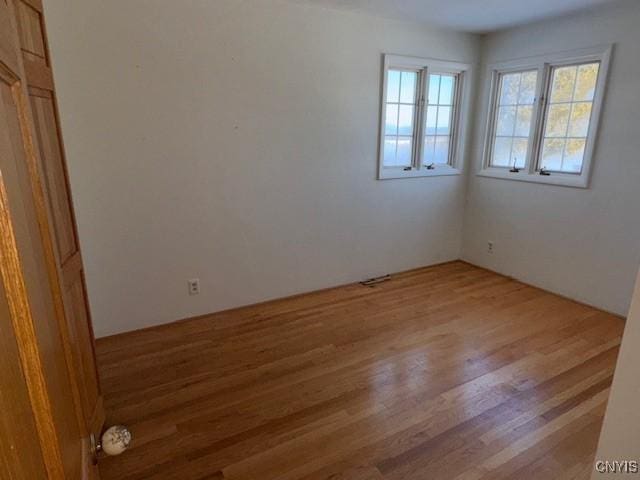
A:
(559, 179)
(438, 171)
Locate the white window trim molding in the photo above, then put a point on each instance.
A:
(543, 64)
(463, 93)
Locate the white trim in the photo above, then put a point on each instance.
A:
(563, 179)
(495, 73)
(388, 173)
(544, 64)
(461, 109)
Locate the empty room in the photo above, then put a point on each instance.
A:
(319, 239)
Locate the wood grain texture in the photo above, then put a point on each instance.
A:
(24, 276)
(30, 280)
(58, 219)
(20, 397)
(446, 372)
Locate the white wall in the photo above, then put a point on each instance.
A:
(584, 244)
(621, 427)
(236, 141)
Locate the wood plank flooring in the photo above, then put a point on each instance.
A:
(446, 372)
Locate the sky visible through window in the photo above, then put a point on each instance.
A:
(399, 121)
(440, 110)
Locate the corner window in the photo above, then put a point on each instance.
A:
(543, 118)
(421, 132)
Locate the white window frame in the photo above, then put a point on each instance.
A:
(545, 64)
(458, 131)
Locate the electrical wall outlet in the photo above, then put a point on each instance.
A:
(194, 286)
(489, 247)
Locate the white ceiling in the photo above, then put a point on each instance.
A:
(468, 15)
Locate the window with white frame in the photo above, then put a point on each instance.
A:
(513, 113)
(421, 132)
(567, 117)
(400, 115)
(441, 109)
(543, 117)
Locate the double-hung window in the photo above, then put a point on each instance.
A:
(421, 132)
(543, 117)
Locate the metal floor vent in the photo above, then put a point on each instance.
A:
(372, 282)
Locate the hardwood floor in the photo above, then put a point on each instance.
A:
(446, 372)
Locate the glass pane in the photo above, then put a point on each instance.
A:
(393, 86)
(573, 155)
(442, 150)
(564, 80)
(513, 118)
(587, 79)
(391, 120)
(519, 152)
(557, 120)
(444, 120)
(434, 88)
(389, 151)
(431, 120)
(509, 89)
(506, 121)
(523, 121)
(427, 153)
(405, 121)
(528, 88)
(552, 154)
(446, 90)
(408, 87)
(404, 151)
(501, 152)
(580, 116)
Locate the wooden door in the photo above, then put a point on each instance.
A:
(41, 91)
(20, 438)
(48, 381)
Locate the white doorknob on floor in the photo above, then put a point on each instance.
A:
(115, 440)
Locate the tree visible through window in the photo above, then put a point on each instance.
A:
(543, 117)
(568, 117)
(516, 96)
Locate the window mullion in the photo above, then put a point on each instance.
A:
(455, 120)
(538, 123)
(420, 119)
(492, 118)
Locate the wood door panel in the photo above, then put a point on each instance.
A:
(31, 31)
(53, 169)
(16, 438)
(76, 308)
